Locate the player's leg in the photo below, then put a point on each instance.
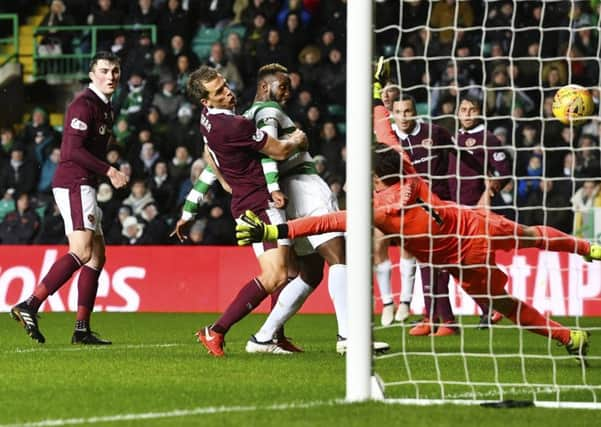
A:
(383, 270)
(442, 304)
(87, 287)
(426, 325)
(76, 206)
(408, 265)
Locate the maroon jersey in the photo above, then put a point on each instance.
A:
(428, 146)
(478, 154)
(234, 142)
(87, 129)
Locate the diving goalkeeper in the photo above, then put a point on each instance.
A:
(460, 239)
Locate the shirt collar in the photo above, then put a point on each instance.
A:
(416, 129)
(98, 93)
(220, 111)
(477, 129)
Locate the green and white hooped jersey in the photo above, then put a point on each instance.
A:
(269, 117)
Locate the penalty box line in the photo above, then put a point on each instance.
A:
(175, 413)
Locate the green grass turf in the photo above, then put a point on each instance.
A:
(156, 366)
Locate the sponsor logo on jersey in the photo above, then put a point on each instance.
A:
(499, 156)
(470, 142)
(78, 124)
(102, 130)
(258, 136)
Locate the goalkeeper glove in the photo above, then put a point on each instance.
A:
(250, 229)
(380, 76)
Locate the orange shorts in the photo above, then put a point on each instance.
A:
(481, 282)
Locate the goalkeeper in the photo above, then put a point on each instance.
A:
(462, 239)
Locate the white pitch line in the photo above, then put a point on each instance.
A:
(173, 414)
(88, 348)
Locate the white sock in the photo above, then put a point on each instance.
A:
(407, 279)
(291, 299)
(337, 287)
(383, 274)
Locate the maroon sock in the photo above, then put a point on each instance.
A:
(86, 292)
(426, 273)
(250, 296)
(442, 303)
(60, 272)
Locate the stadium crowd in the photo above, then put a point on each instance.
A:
(158, 142)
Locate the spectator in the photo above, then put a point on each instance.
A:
(268, 8)
(412, 74)
(443, 15)
(144, 13)
(168, 101)
(312, 127)
(158, 127)
(38, 135)
(56, 42)
(295, 37)
(105, 14)
(528, 144)
(122, 132)
(227, 69)
(7, 139)
(20, 226)
(186, 185)
(139, 197)
(173, 20)
(144, 164)
(179, 167)
(140, 57)
(218, 14)
(274, 51)
(219, 228)
(257, 32)
(161, 187)
(196, 233)
(134, 99)
(236, 55)
(47, 173)
(183, 69)
(333, 81)
(531, 183)
(18, 173)
(293, 6)
(156, 230)
(184, 131)
(52, 228)
(330, 145)
(586, 202)
(132, 232)
(7, 203)
(113, 237)
(105, 197)
(588, 162)
(309, 59)
(160, 69)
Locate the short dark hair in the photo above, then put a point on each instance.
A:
(271, 69)
(196, 83)
(387, 164)
(474, 100)
(104, 55)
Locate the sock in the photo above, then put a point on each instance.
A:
(442, 303)
(427, 289)
(383, 274)
(33, 302)
(551, 239)
(407, 278)
(291, 299)
(87, 286)
(337, 289)
(274, 300)
(60, 272)
(82, 325)
(525, 315)
(250, 296)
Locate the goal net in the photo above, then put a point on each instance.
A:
(512, 57)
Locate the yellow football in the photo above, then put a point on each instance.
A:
(572, 103)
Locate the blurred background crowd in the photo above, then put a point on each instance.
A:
(514, 56)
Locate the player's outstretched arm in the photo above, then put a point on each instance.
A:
(282, 149)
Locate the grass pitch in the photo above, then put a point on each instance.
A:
(155, 374)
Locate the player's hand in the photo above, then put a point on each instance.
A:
(299, 137)
(118, 178)
(380, 77)
(279, 199)
(179, 229)
(250, 229)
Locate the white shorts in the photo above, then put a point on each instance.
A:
(309, 195)
(79, 208)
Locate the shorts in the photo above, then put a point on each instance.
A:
(270, 216)
(79, 208)
(309, 195)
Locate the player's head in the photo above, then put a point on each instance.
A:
(470, 110)
(105, 70)
(273, 83)
(387, 164)
(209, 88)
(390, 93)
(404, 113)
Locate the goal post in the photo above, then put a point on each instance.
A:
(505, 362)
(359, 205)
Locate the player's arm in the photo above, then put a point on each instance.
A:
(279, 149)
(267, 121)
(250, 229)
(499, 165)
(73, 149)
(193, 201)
